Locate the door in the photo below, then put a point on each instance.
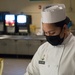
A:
(7, 47)
(33, 46)
(22, 47)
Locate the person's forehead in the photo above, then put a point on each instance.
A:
(48, 25)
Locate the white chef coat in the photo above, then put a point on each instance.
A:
(54, 60)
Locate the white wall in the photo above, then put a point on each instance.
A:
(31, 7)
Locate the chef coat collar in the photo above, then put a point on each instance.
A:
(67, 39)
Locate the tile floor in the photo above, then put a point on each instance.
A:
(15, 66)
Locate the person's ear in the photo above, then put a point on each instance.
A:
(65, 28)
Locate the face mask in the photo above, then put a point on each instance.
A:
(55, 40)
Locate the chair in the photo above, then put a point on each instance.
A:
(1, 66)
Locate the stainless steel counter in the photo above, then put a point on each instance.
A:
(28, 37)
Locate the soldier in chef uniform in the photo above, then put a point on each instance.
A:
(57, 55)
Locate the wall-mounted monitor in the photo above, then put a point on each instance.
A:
(9, 20)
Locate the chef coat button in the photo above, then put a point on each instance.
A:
(48, 65)
(57, 66)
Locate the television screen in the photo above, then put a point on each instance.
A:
(9, 20)
(21, 19)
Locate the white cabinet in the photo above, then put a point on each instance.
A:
(33, 46)
(27, 47)
(20, 46)
(7, 47)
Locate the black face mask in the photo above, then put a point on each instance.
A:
(55, 40)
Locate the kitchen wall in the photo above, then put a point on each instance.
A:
(32, 8)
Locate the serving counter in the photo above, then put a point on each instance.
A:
(20, 45)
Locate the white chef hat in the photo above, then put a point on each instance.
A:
(53, 13)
